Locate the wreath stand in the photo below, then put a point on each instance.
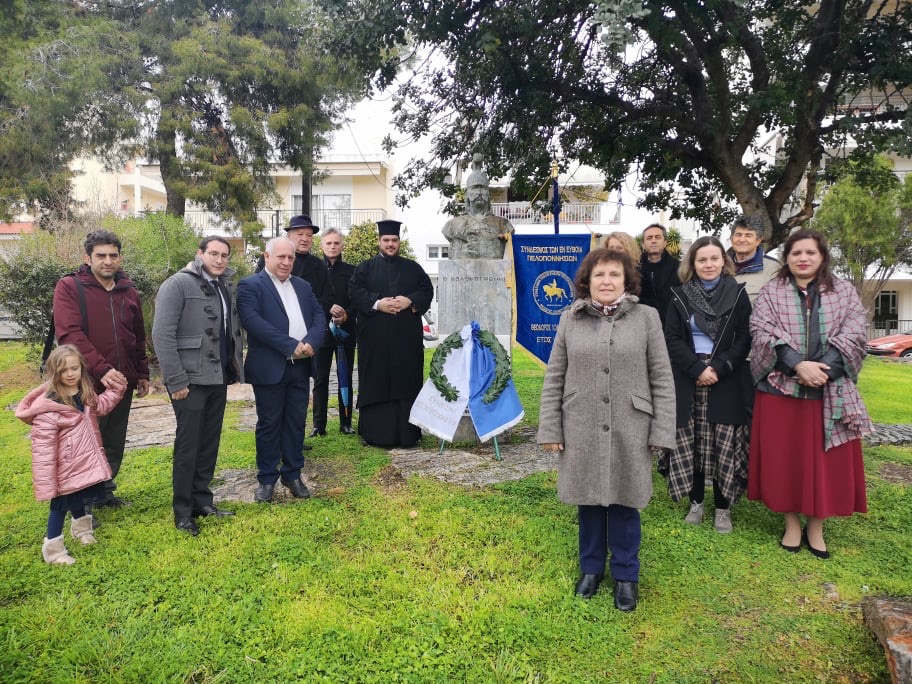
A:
(497, 456)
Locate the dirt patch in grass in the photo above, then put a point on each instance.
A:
(322, 477)
(389, 479)
(19, 376)
(896, 473)
(329, 475)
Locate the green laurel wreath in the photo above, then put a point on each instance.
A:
(453, 341)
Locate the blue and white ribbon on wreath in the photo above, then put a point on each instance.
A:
(470, 369)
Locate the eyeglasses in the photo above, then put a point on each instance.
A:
(216, 256)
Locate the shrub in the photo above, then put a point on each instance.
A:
(154, 247)
(360, 244)
(28, 275)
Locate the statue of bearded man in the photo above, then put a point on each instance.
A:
(477, 234)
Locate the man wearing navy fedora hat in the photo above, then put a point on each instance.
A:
(300, 231)
(389, 294)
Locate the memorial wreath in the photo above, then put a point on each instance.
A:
(502, 370)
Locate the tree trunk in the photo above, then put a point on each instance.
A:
(307, 182)
(749, 197)
(169, 166)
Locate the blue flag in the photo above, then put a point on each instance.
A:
(544, 267)
(502, 413)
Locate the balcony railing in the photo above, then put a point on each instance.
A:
(275, 220)
(884, 328)
(525, 212)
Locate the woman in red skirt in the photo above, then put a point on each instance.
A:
(808, 329)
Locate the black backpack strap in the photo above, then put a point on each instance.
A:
(48, 346)
(49, 340)
(80, 292)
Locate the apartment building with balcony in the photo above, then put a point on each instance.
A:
(348, 190)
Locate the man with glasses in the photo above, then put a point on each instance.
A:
(197, 337)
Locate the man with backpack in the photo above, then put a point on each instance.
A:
(97, 309)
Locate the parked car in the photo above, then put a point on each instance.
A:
(8, 328)
(891, 345)
(430, 331)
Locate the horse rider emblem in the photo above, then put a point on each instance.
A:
(553, 292)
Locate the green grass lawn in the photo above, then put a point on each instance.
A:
(476, 588)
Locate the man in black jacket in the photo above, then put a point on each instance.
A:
(343, 314)
(658, 268)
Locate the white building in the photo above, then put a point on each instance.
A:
(356, 185)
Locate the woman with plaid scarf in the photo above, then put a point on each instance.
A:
(808, 346)
(708, 337)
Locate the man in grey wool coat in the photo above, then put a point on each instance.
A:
(197, 337)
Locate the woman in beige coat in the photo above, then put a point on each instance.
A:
(607, 406)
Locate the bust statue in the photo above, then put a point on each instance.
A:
(477, 234)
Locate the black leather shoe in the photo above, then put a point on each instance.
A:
(306, 447)
(263, 493)
(588, 585)
(297, 488)
(187, 525)
(211, 510)
(815, 552)
(316, 432)
(625, 595)
(347, 430)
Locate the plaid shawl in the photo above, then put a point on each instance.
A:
(777, 319)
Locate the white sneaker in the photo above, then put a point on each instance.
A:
(695, 514)
(723, 521)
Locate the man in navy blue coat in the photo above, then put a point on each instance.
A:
(285, 324)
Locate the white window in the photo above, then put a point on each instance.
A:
(438, 252)
(331, 210)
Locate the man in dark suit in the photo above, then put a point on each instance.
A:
(285, 324)
(342, 313)
(300, 231)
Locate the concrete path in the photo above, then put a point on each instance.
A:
(152, 424)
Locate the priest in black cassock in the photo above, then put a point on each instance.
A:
(390, 294)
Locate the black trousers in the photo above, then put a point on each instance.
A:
(196, 444)
(698, 491)
(323, 368)
(113, 428)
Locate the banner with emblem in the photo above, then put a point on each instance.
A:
(544, 267)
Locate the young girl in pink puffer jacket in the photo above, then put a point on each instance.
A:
(68, 461)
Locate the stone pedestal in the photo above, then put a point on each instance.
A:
(474, 290)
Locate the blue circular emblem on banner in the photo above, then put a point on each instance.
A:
(553, 292)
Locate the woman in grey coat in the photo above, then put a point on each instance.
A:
(607, 407)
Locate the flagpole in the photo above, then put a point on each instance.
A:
(555, 197)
